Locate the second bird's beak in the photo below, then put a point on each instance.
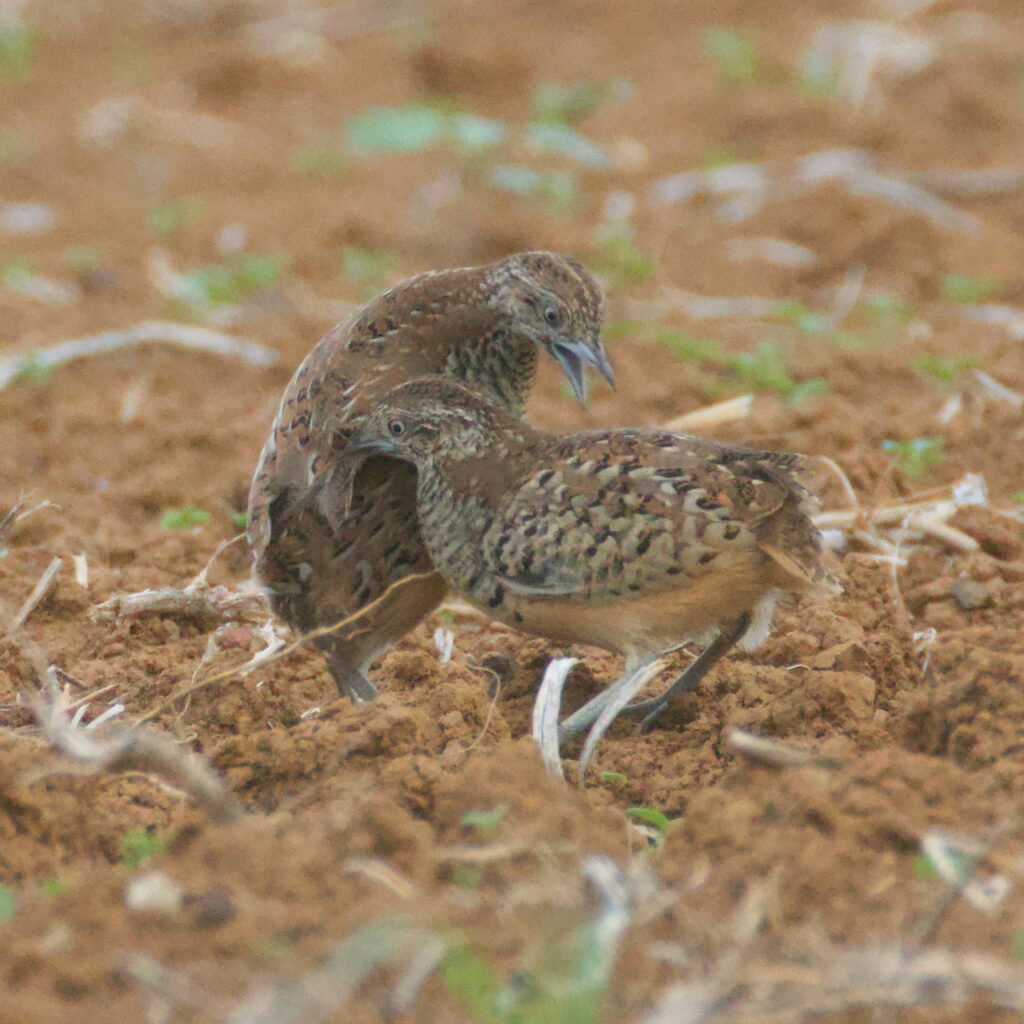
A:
(360, 445)
(573, 356)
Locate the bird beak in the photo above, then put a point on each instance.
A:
(371, 446)
(573, 356)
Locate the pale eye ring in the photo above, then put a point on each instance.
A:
(551, 315)
(396, 428)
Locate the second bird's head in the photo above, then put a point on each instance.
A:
(554, 302)
(433, 417)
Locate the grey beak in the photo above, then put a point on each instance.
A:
(573, 356)
(370, 446)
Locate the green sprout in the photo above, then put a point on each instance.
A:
(83, 259)
(945, 369)
(486, 821)
(620, 259)
(50, 887)
(166, 218)
(321, 160)
(556, 188)
(140, 845)
(230, 282)
(913, 457)
(408, 129)
(766, 368)
(691, 349)
(17, 50)
(240, 520)
(186, 518)
(569, 105)
(15, 144)
(818, 75)
(734, 54)
(970, 290)
(804, 319)
(557, 138)
(367, 266)
(6, 904)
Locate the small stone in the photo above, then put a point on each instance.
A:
(212, 908)
(155, 891)
(27, 218)
(970, 594)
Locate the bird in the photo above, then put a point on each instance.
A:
(334, 537)
(630, 540)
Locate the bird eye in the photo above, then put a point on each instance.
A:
(396, 428)
(552, 316)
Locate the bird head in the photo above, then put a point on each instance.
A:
(554, 302)
(428, 418)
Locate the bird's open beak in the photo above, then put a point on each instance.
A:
(370, 446)
(573, 356)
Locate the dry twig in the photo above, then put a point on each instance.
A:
(199, 338)
(133, 749)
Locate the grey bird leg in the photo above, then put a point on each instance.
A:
(688, 681)
(591, 711)
(350, 681)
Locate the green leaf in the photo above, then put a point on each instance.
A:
(945, 369)
(366, 266)
(689, 348)
(166, 218)
(316, 160)
(620, 259)
(50, 887)
(735, 54)
(477, 133)
(184, 518)
(571, 104)
(801, 317)
(140, 845)
(557, 138)
(487, 820)
(557, 187)
(6, 904)
(970, 290)
(471, 980)
(651, 816)
(83, 258)
(818, 75)
(913, 457)
(240, 520)
(612, 776)
(409, 129)
(923, 867)
(17, 49)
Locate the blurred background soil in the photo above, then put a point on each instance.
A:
(254, 167)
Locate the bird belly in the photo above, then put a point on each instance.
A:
(641, 624)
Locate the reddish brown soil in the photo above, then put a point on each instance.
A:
(905, 739)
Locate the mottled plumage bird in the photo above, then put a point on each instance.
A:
(331, 535)
(629, 540)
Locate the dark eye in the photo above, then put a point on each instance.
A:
(552, 316)
(396, 428)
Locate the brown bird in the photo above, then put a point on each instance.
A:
(331, 534)
(634, 541)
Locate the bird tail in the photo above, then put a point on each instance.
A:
(792, 541)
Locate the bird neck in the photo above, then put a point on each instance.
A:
(497, 365)
(449, 320)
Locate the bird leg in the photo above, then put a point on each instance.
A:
(350, 681)
(688, 681)
(591, 711)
